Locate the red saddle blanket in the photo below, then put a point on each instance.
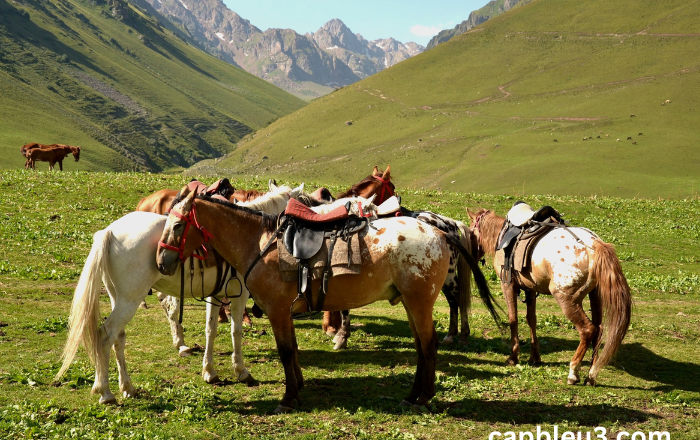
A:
(298, 210)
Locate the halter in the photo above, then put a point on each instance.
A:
(190, 219)
(386, 188)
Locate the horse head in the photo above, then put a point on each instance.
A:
(378, 183)
(76, 152)
(176, 244)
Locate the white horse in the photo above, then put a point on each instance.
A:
(123, 258)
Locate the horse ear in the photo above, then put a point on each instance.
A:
(387, 173)
(471, 215)
(272, 184)
(371, 199)
(375, 171)
(296, 192)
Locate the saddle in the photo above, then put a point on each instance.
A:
(221, 189)
(521, 231)
(304, 233)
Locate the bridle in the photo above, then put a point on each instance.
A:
(190, 219)
(386, 189)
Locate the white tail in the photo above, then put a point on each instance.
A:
(84, 321)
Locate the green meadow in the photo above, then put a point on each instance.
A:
(46, 226)
(553, 97)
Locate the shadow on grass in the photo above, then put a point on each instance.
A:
(641, 362)
(384, 394)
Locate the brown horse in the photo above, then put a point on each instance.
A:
(52, 154)
(403, 262)
(569, 270)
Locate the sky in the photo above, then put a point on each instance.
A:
(405, 20)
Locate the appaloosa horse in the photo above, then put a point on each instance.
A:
(405, 262)
(569, 265)
(457, 286)
(48, 153)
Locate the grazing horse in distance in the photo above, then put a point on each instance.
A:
(569, 265)
(49, 153)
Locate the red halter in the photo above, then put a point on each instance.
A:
(190, 219)
(386, 188)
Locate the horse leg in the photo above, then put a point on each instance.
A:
(208, 372)
(531, 298)
(239, 369)
(60, 164)
(283, 329)
(421, 321)
(596, 319)
(511, 294)
(450, 291)
(171, 307)
(125, 385)
(587, 332)
(297, 366)
(341, 338)
(223, 315)
(122, 312)
(331, 323)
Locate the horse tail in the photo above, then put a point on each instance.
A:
(481, 283)
(84, 321)
(615, 301)
(464, 272)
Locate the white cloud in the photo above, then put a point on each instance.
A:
(425, 31)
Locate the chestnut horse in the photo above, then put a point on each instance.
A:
(569, 270)
(405, 262)
(48, 153)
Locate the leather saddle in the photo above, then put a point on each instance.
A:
(303, 235)
(221, 189)
(522, 228)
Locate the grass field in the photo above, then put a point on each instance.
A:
(541, 99)
(46, 226)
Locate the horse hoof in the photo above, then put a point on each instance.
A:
(406, 404)
(129, 392)
(249, 381)
(448, 340)
(185, 351)
(573, 381)
(109, 400)
(281, 409)
(341, 344)
(511, 362)
(535, 362)
(590, 382)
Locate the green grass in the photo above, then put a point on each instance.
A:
(46, 235)
(135, 93)
(482, 111)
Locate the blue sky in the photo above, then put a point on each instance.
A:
(406, 20)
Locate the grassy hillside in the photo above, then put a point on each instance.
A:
(123, 83)
(506, 107)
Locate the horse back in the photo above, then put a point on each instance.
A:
(158, 202)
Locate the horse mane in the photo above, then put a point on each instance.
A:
(269, 221)
(490, 229)
(353, 191)
(247, 195)
(272, 201)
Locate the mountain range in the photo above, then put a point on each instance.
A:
(120, 80)
(308, 65)
(553, 97)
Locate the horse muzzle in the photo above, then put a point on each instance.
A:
(167, 261)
